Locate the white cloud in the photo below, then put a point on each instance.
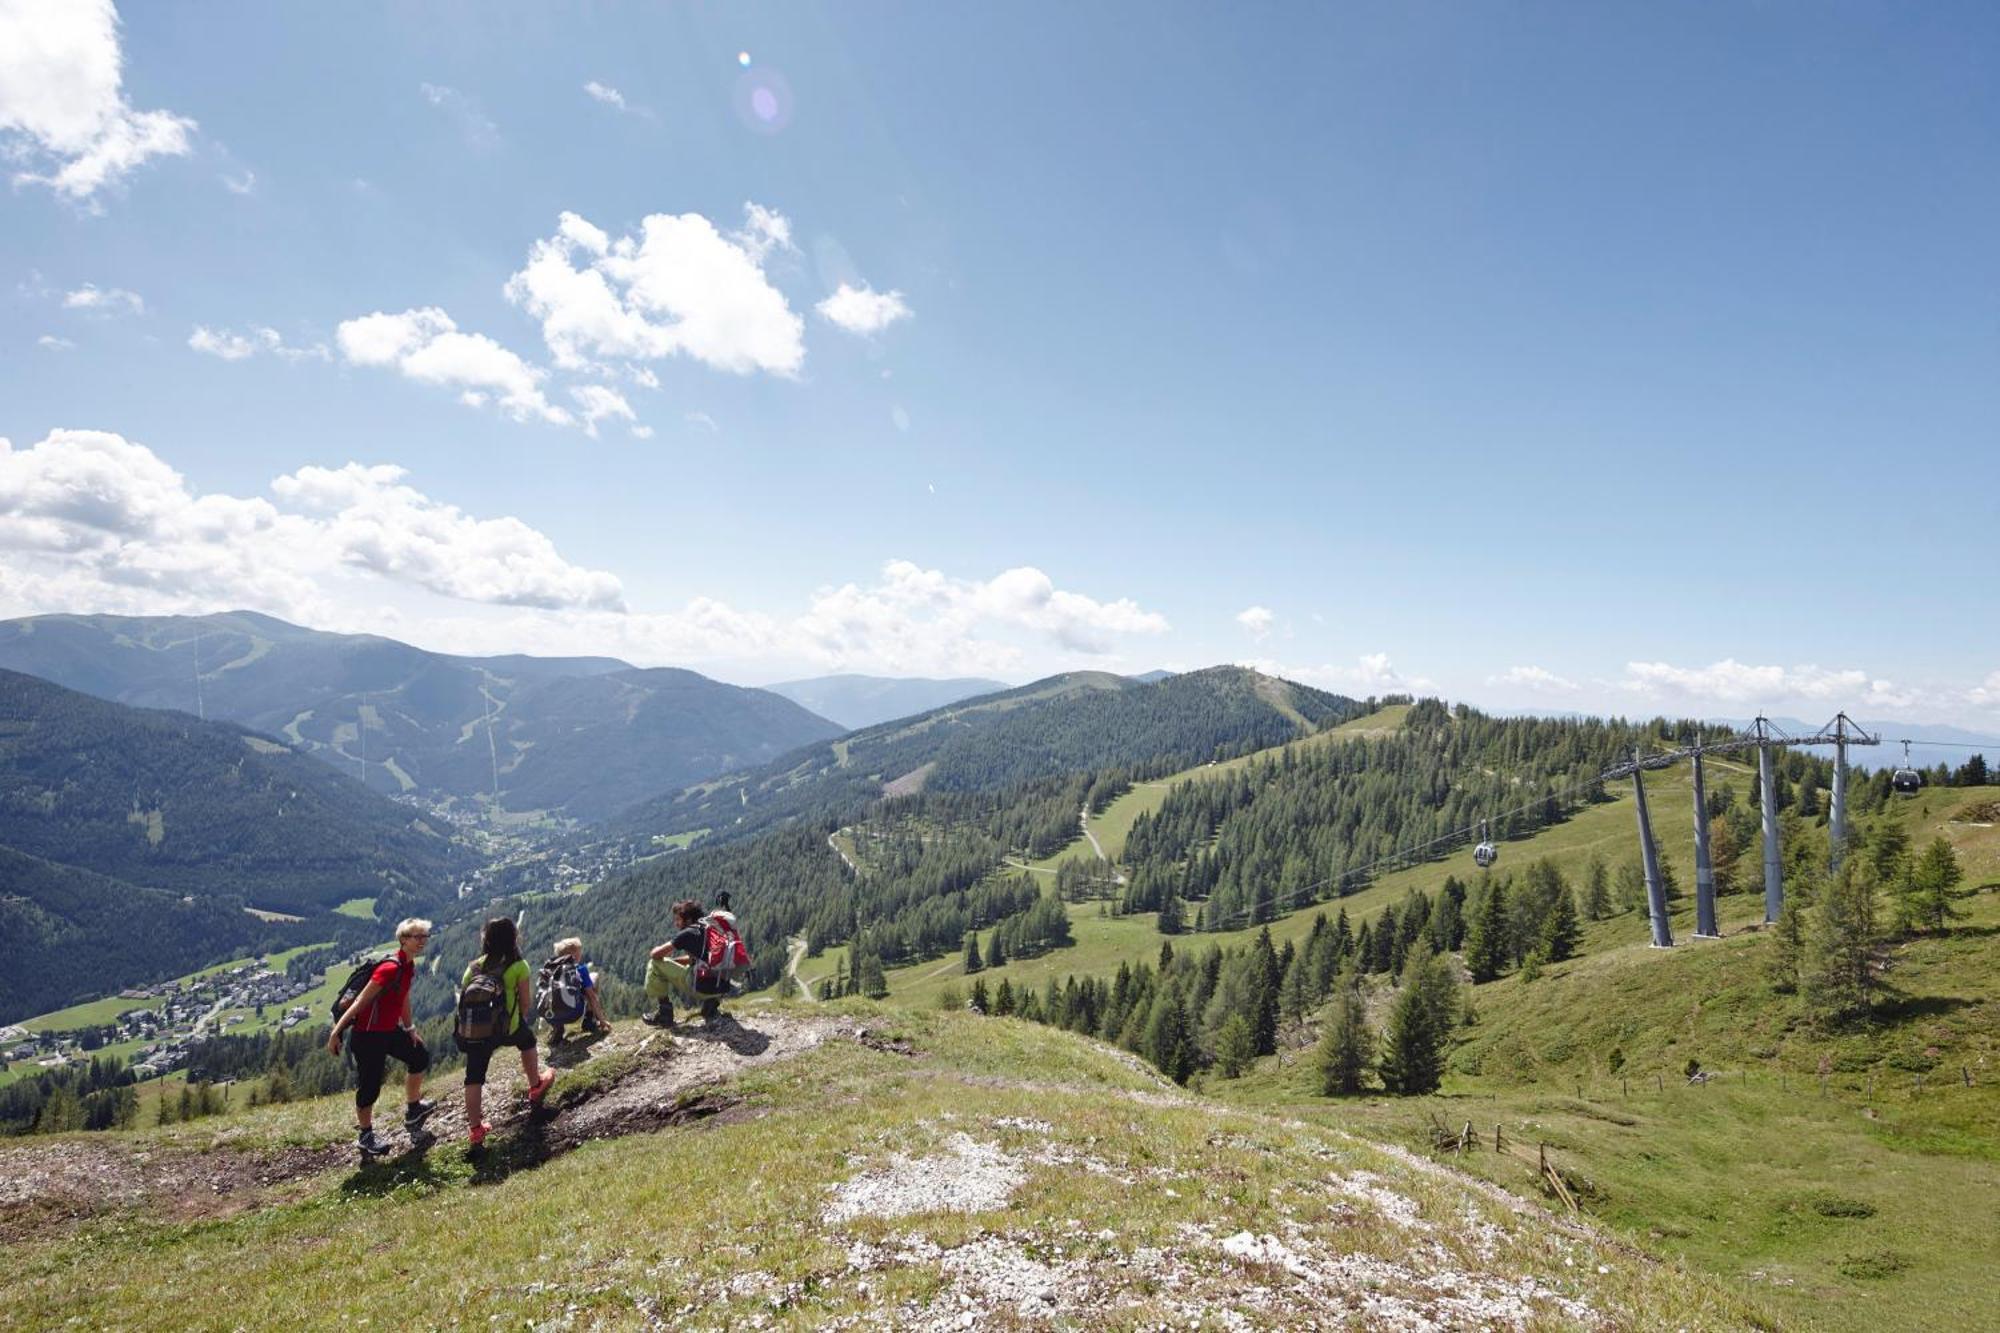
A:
(701, 419)
(1257, 619)
(597, 403)
(221, 342)
(1372, 673)
(233, 346)
(862, 309)
(104, 300)
(62, 104)
(426, 346)
(1537, 680)
(52, 343)
(677, 287)
(1734, 683)
(92, 522)
(605, 93)
(478, 129)
(244, 183)
(89, 519)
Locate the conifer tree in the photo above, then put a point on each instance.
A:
(981, 1002)
(873, 982)
(1344, 1054)
(1597, 891)
(1419, 1026)
(1233, 1047)
(1836, 974)
(1725, 853)
(973, 962)
(1170, 919)
(1560, 931)
(1003, 999)
(1167, 1041)
(1486, 940)
(995, 955)
(1930, 888)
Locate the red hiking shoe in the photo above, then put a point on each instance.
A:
(479, 1133)
(537, 1090)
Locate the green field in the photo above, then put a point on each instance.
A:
(362, 909)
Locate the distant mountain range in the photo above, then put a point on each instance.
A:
(585, 736)
(1066, 723)
(862, 701)
(133, 841)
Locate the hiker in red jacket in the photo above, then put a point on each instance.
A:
(380, 1019)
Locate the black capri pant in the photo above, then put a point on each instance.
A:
(371, 1059)
(478, 1055)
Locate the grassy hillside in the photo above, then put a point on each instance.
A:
(1850, 1173)
(975, 1173)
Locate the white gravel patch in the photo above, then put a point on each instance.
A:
(967, 1177)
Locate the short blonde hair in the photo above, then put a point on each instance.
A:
(413, 923)
(570, 945)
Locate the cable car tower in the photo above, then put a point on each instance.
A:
(1656, 890)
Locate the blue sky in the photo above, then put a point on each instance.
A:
(1564, 356)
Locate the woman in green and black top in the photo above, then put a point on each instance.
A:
(500, 953)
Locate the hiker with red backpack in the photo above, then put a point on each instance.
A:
(374, 1006)
(495, 1011)
(714, 953)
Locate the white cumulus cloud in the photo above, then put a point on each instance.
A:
(426, 346)
(91, 520)
(1538, 680)
(596, 402)
(1257, 619)
(233, 346)
(104, 300)
(50, 342)
(605, 93)
(62, 102)
(1737, 684)
(862, 309)
(1371, 673)
(679, 286)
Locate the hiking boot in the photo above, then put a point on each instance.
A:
(556, 1035)
(594, 1027)
(662, 1017)
(540, 1087)
(479, 1133)
(416, 1113)
(370, 1144)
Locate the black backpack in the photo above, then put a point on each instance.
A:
(357, 981)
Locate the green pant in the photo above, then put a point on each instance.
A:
(668, 980)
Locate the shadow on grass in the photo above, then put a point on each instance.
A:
(544, 1135)
(1895, 1008)
(385, 1175)
(573, 1051)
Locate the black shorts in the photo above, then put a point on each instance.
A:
(479, 1054)
(371, 1059)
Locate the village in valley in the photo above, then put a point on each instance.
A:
(164, 1022)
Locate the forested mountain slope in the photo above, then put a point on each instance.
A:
(1066, 724)
(165, 801)
(94, 934)
(584, 735)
